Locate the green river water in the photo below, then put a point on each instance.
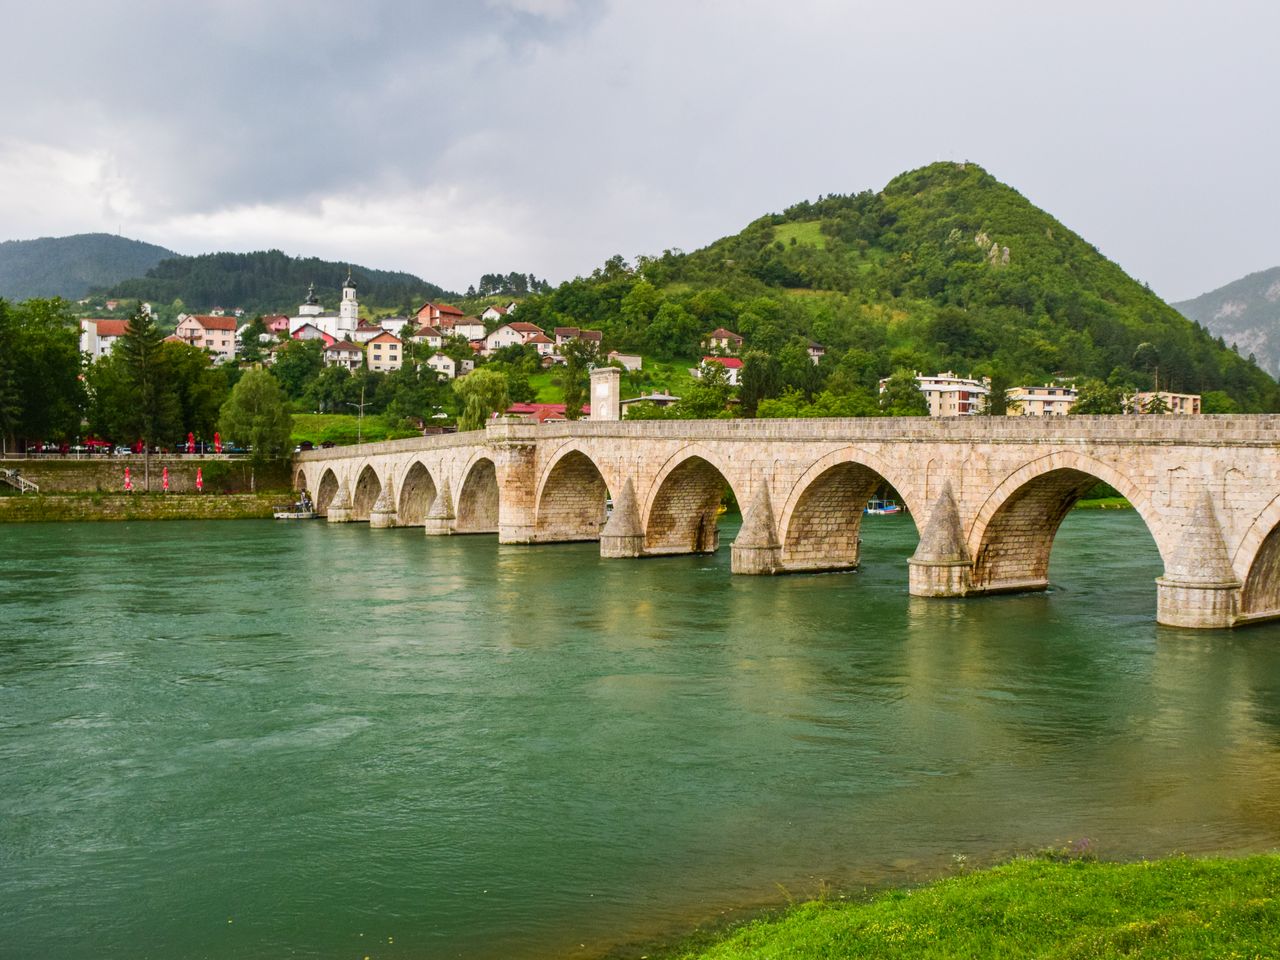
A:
(258, 740)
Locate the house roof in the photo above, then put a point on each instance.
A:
(566, 331)
(366, 325)
(590, 335)
(110, 328)
(344, 345)
(729, 363)
(441, 356)
(541, 412)
(174, 338)
(426, 330)
(720, 333)
(523, 326)
(214, 323)
(441, 308)
(386, 338)
(496, 309)
(539, 338)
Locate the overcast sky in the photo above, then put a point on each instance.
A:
(452, 139)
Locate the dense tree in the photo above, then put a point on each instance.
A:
(902, 397)
(761, 379)
(297, 364)
(152, 412)
(579, 357)
(256, 414)
(41, 394)
(483, 393)
(1095, 397)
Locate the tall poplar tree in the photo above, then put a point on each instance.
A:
(155, 407)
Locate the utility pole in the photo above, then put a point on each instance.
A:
(360, 419)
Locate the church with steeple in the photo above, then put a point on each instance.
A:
(341, 325)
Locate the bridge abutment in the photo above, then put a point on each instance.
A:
(517, 477)
(340, 506)
(756, 549)
(383, 515)
(1199, 588)
(440, 518)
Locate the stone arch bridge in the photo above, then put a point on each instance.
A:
(987, 494)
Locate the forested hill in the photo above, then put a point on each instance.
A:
(269, 281)
(945, 268)
(70, 267)
(1245, 312)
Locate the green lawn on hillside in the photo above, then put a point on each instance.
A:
(343, 429)
(1173, 908)
(656, 375)
(805, 231)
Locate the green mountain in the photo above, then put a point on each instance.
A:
(945, 268)
(1246, 313)
(70, 267)
(268, 282)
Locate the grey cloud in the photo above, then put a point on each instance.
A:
(632, 126)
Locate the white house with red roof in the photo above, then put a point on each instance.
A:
(449, 368)
(732, 366)
(217, 335)
(343, 353)
(309, 331)
(384, 352)
(515, 333)
(366, 331)
(494, 314)
(98, 336)
(545, 346)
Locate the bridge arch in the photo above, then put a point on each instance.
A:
(300, 480)
(1257, 563)
(571, 498)
(326, 490)
(476, 510)
(365, 495)
(820, 521)
(1014, 529)
(417, 493)
(683, 504)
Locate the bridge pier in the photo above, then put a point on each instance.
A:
(1199, 588)
(440, 517)
(623, 536)
(340, 506)
(516, 467)
(756, 549)
(383, 515)
(941, 567)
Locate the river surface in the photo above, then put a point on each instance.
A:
(258, 740)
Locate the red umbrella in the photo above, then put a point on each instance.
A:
(191, 443)
(128, 484)
(166, 479)
(217, 443)
(199, 480)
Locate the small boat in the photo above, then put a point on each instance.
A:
(882, 508)
(302, 510)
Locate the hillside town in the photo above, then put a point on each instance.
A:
(450, 343)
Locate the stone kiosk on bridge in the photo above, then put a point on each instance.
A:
(987, 494)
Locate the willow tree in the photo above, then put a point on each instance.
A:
(483, 393)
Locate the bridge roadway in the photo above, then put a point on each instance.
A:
(987, 494)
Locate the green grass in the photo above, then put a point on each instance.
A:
(670, 375)
(1049, 907)
(1104, 503)
(343, 429)
(808, 232)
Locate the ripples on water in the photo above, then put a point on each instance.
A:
(250, 740)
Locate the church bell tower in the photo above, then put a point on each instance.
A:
(349, 308)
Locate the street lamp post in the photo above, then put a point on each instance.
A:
(360, 419)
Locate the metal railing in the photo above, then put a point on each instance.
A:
(15, 479)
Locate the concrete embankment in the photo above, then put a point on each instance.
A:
(30, 508)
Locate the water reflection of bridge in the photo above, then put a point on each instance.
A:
(987, 494)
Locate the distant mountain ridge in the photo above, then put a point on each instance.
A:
(70, 267)
(1245, 312)
(268, 281)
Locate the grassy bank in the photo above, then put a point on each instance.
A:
(139, 506)
(1104, 503)
(1045, 907)
(344, 429)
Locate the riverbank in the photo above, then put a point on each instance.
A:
(1104, 503)
(1048, 906)
(29, 508)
